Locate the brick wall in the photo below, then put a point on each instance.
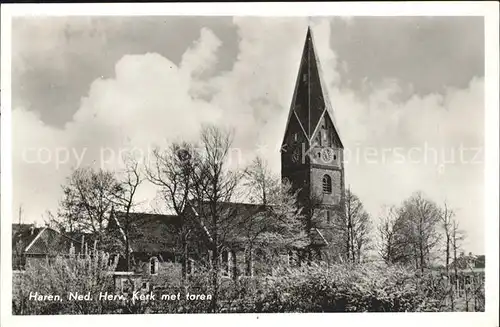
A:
(317, 175)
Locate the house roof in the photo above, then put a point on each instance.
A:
(28, 239)
(469, 261)
(23, 235)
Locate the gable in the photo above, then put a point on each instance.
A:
(294, 134)
(41, 241)
(326, 131)
(23, 235)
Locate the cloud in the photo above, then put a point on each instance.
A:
(146, 103)
(432, 143)
(150, 100)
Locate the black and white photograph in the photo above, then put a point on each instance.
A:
(247, 164)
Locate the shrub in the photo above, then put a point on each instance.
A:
(63, 275)
(348, 288)
(314, 288)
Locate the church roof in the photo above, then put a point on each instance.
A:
(148, 233)
(310, 100)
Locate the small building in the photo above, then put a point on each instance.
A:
(32, 245)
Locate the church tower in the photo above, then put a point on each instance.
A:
(312, 151)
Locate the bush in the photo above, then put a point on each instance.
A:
(347, 288)
(338, 288)
(63, 275)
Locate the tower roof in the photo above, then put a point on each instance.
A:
(310, 100)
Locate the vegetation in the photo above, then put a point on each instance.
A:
(315, 288)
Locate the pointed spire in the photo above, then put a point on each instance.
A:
(310, 101)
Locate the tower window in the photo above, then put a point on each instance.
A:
(295, 137)
(304, 77)
(327, 184)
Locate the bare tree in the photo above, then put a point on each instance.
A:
(123, 198)
(419, 218)
(394, 246)
(447, 224)
(357, 226)
(172, 170)
(88, 197)
(409, 234)
(386, 235)
(457, 237)
(215, 185)
(361, 236)
(279, 224)
(260, 181)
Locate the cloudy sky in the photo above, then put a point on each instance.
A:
(407, 94)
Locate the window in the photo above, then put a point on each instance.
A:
(225, 266)
(304, 77)
(328, 217)
(153, 266)
(295, 137)
(327, 184)
(324, 135)
(189, 266)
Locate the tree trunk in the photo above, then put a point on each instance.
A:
(215, 278)
(184, 256)
(421, 253)
(353, 256)
(127, 254)
(447, 255)
(348, 240)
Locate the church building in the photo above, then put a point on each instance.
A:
(311, 161)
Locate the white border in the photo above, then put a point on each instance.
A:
(487, 9)
(297, 9)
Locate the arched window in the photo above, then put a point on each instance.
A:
(327, 184)
(225, 263)
(153, 266)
